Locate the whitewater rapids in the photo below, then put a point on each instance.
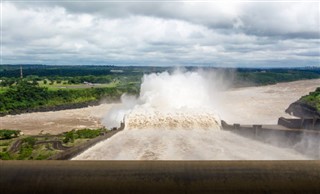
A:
(177, 119)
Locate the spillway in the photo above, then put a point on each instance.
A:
(181, 144)
(175, 118)
(186, 135)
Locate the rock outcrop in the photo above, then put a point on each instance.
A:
(302, 110)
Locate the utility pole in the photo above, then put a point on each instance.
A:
(21, 73)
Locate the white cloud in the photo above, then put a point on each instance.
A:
(299, 20)
(165, 34)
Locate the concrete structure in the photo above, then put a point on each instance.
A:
(160, 177)
(302, 123)
(281, 136)
(168, 176)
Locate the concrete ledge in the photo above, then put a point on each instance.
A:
(160, 176)
(306, 123)
(305, 141)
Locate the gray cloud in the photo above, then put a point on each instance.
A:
(161, 33)
(260, 18)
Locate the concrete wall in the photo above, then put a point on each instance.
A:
(304, 141)
(307, 123)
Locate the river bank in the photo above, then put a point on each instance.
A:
(55, 122)
(251, 105)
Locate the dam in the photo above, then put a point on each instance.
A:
(231, 142)
(205, 153)
(173, 119)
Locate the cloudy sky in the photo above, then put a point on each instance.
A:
(227, 34)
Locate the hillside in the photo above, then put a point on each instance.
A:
(313, 99)
(306, 106)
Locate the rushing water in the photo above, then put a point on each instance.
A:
(175, 118)
(180, 144)
(178, 119)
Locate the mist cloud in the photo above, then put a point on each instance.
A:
(182, 98)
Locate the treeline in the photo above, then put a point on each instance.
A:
(265, 77)
(29, 95)
(53, 71)
(65, 71)
(9, 81)
(104, 79)
(105, 74)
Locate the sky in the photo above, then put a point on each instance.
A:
(169, 33)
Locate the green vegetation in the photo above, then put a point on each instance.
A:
(71, 136)
(21, 96)
(25, 151)
(4, 145)
(8, 134)
(26, 148)
(42, 147)
(47, 87)
(313, 99)
(28, 96)
(265, 77)
(5, 156)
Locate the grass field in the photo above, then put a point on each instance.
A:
(3, 89)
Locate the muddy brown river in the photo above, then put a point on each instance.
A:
(264, 104)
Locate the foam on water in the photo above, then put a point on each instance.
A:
(174, 119)
(177, 100)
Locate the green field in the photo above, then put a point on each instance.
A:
(3, 89)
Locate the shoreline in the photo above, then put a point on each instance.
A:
(267, 103)
(60, 107)
(55, 122)
(101, 101)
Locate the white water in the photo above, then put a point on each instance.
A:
(169, 100)
(197, 144)
(175, 118)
